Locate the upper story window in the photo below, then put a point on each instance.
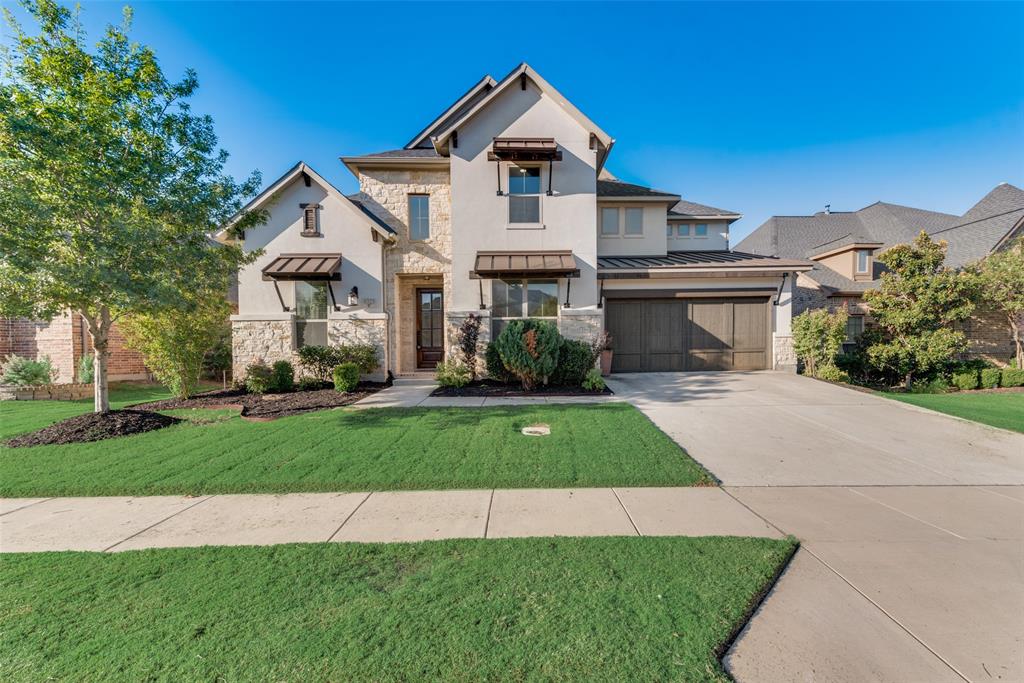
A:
(700, 230)
(668, 230)
(523, 194)
(683, 229)
(609, 222)
(419, 216)
(310, 222)
(311, 313)
(863, 260)
(634, 224)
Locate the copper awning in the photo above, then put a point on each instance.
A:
(524, 264)
(524, 149)
(304, 267)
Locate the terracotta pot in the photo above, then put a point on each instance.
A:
(606, 362)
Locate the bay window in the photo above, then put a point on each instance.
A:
(512, 299)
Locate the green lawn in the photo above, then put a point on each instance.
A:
(345, 450)
(999, 409)
(468, 610)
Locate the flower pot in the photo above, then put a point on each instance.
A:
(606, 362)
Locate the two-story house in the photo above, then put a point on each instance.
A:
(502, 207)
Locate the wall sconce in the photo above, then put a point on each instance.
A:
(353, 296)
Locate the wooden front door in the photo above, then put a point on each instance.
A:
(429, 327)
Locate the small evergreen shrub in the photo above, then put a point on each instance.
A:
(831, 373)
(593, 380)
(282, 377)
(468, 339)
(27, 372)
(990, 378)
(258, 378)
(1012, 377)
(529, 349)
(495, 367)
(86, 372)
(346, 377)
(307, 383)
(965, 380)
(452, 373)
(575, 359)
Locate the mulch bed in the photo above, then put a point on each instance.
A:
(487, 387)
(265, 407)
(95, 427)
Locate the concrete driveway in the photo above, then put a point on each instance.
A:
(912, 526)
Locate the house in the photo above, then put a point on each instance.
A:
(844, 247)
(501, 206)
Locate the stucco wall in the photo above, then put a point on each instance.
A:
(651, 243)
(717, 239)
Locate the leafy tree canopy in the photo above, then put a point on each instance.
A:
(1000, 278)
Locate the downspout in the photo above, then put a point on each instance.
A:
(778, 293)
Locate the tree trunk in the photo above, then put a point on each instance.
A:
(1018, 346)
(100, 331)
(908, 380)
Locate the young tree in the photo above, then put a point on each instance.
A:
(109, 184)
(1000, 278)
(915, 307)
(818, 337)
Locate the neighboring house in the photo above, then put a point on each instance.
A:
(501, 207)
(844, 247)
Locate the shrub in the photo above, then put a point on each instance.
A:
(529, 349)
(832, 374)
(575, 359)
(495, 367)
(452, 373)
(965, 380)
(346, 377)
(363, 355)
(1012, 377)
(282, 377)
(936, 385)
(85, 369)
(27, 372)
(818, 337)
(990, 378)
(307, 383)
(320, 361)
(258, 378)
(593, 380)
(467, 339)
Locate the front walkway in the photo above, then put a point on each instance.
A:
(114, 523)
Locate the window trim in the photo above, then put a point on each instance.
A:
(539, 195)
(409, 201)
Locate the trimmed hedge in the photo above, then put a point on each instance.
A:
(575, 359)
(990, 378)
(1012, 377)
(346, 377)
(965, 380)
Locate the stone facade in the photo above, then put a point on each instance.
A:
(453, 322)
(372, 331)
(410, 263)
(264, 341)
(584, 326)
(52, 392)
(783, 355)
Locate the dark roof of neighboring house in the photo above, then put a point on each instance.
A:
(969, 237)
(685, 208)
(418, 153)
(699, 259)
(355, 199)
(617, 188)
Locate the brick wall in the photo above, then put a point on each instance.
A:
(989, 336)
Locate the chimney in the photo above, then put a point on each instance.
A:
(828, 209)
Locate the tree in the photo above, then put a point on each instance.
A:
(174, 341)
(109, 184)
(915, 308)
(1000, 278)
(818, 336)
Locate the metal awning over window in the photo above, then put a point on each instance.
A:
(524, 149)
(304, 267)
(524, 264)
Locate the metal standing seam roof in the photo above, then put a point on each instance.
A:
(499, 263)
(304, 267)
(700, 259)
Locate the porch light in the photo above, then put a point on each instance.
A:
(353, 296)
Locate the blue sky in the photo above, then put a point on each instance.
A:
(760, 108)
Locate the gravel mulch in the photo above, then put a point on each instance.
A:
(95, 427)
(487, 387)
(262, 407)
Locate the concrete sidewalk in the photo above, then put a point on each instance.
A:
(115, 524)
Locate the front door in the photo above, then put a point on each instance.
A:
(429, 327)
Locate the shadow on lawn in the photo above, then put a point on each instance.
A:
(461, 417)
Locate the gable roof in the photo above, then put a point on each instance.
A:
(444, 132)
(457, 108)
(617, 188)
(987, 226)
(290, 176)
(685, 209)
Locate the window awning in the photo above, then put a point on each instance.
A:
(524, 264)
(524, 149)
(304, 267)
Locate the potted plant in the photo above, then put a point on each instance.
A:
(603, 350)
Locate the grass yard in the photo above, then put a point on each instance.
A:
(999, 409)
(345, 450)
(525, 609)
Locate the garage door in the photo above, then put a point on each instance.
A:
(660, 335)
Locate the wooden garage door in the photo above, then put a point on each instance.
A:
(658, 335)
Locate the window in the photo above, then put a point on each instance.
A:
(854, 328)
(701, 230)
(511, 299)
(863, 260)
(634, 222)
(523, 194)
(310, 313)
(684, 229)
(609, 222)
(419, 216)
(310, 226)
(668, 231)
